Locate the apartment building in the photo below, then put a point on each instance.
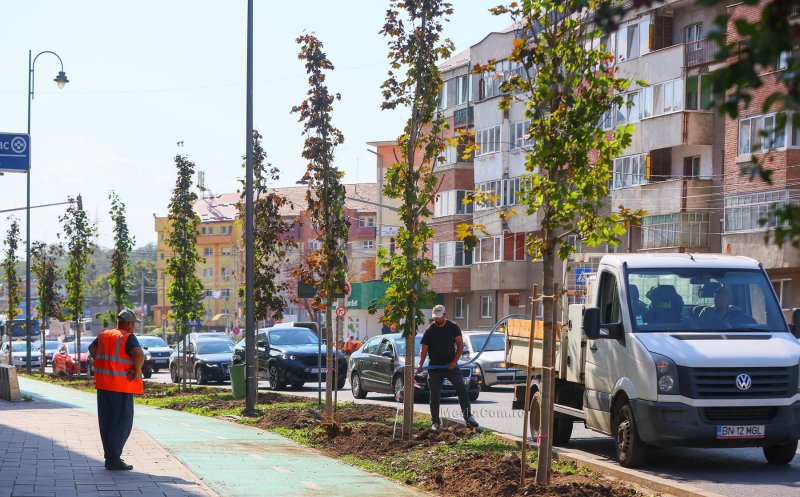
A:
(750, 205)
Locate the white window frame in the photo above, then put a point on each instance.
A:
(487, 302)
(458, 308)
(226, 251)
(443, 96)
(629, 170)
(494, 249)
(744, 212)
(368, 244)
(693, 35)
(208, 272)
(462, 89)
(520, 137)
(754, 125)
(488, 140)
(208, 252)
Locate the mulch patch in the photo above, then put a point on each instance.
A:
(366, 432)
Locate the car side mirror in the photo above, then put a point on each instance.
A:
(796, 322)
(465, 352)
(387, 354)
(591, 323)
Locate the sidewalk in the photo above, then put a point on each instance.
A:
(50, 447)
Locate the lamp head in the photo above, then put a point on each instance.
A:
(61, 79)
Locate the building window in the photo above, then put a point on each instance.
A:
(681, 229)
(691, 167)
(490, 82)
(487, 306)
(488, 140)
(451, 202)
(226, 251)
(210, 230)
(756, 211)
(630, 171)
(699, 92)
(368, 244)
(489, 249)
(462, 89)
(499, 193)
(783, 291)
(226, 292)
(366, 222)
(458, 312)
(203, 230)
(760, 133)
(443, 96)
(520, 137)
(162, 256)
(694, 35)
(629, 42)
(451, 254)
(209, 292)
(314, 245)
(208, 272)
(208, 252)
(513, 246)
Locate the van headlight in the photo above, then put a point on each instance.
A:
(666, 375)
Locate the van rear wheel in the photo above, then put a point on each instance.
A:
(781, 454)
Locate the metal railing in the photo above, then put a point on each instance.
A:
(464, 117)
(700, 52)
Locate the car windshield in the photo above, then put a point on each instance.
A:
(151, 342)
(292, 336)
(50, 346)
(21, 347)
(701, 299)
(84, 347)
(496, 342)
(214, 347)
(400, 343)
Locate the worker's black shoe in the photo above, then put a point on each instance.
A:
(118, 466)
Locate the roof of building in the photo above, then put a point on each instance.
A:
(460, 59)
(222, 207)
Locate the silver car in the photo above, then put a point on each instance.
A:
(494, 370)
(19, 354)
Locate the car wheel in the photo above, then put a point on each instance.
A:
(397, 387)
(297, 385)
(200, 375)
(355, 386)
(473, 396)
(274, 378)
(780, 454)
(631, 451)
(341, 380)
(147, 371)
(173, 374)
(483, 385)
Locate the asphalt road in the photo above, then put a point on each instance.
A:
(728, 472)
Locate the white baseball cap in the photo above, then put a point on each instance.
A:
(438, 311)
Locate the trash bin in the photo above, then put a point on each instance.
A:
(237, 380)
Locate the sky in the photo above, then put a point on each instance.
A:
(146, 75)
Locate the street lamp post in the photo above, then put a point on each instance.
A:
(61, 80)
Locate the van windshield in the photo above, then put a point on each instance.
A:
(701, 299)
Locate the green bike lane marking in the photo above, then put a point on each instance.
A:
(236, 460)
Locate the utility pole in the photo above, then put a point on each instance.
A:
(141, 302)
(250, 335)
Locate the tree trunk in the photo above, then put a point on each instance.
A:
(43, 350)
(548, 347)
(329, 360)
(408, 373)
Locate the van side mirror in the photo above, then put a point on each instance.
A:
(591, 323)
(796, 322)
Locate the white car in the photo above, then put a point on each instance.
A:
(19, 354)
(494, 370)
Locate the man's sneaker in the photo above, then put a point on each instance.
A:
(119, 466)
(470, 421)
(436, 426)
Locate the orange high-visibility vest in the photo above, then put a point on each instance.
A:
(111, 364)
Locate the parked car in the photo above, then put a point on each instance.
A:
(207, 359)
(48, 350)
(288, 356)
(210, 334)
(64, 358)
(19, 354)
(156, 354)
(378, 367)
(493, 368)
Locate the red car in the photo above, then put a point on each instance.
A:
(64, 358)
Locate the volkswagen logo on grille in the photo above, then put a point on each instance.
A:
(743, 382)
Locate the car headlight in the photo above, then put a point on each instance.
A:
(212, 365)
(499, 365)
(289, 357)
(476, 369)
(148, 357)
(666, 374)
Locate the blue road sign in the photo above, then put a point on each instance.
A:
(581, 273)
(15, 152)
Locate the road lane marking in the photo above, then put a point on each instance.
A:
(281, 469)
(256, 456)
(311, 485)
(219, 436)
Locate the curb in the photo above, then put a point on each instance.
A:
(601, 465)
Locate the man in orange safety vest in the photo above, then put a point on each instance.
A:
(118, 360)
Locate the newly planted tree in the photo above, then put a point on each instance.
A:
(269, 238)
(123, 244)
(44, 264)
(566, 87)
(416, 46)
(80, 234)
(185, 288)
(326, 267)
(12, 279)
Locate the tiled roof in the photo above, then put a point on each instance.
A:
(223, 207)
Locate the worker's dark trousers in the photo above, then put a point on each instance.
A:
(115, 416)
(435, 379)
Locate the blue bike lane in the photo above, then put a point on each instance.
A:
(236, 460)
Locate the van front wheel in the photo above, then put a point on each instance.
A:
(781, 454)
(631, 451)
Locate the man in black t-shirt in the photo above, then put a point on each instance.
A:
(443, 344)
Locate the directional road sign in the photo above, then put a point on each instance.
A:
(15, 152)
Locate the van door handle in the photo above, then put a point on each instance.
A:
(593, 348)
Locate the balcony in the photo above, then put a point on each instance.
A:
(700, 52)
(464, 117)
(672, 130)
(451, 279)
(361, 232)
(668, 196)
(505, 275)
